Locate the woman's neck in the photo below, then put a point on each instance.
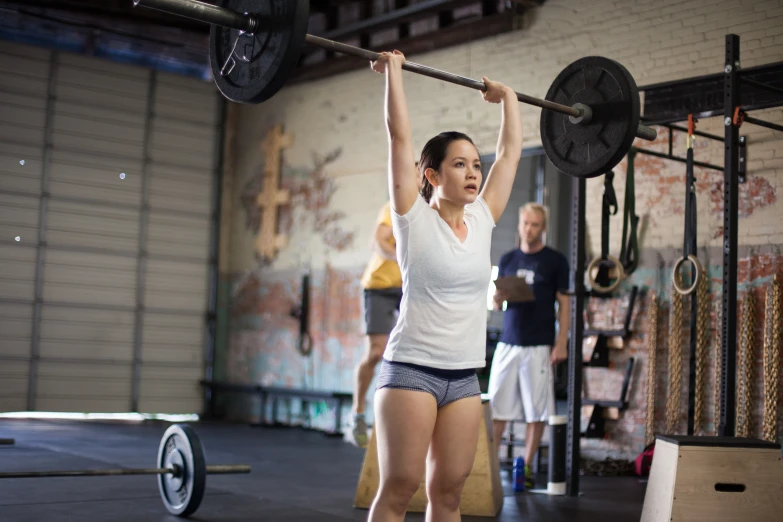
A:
(452, 214)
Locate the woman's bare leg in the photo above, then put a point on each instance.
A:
(451, 457)
(404, 421)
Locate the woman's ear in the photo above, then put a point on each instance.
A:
(432, 176)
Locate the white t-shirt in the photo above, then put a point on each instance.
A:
(443, 313)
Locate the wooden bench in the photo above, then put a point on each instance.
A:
(275, 393)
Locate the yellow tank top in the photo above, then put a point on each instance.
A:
(382, 273)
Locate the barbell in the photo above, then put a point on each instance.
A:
(589, 120)
(181, 470)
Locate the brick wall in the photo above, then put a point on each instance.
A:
(756, 267)
(342, 118)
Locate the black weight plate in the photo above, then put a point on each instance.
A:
(181, 447)
(592, 149)
(251, 68)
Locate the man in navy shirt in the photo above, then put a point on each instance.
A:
(521, 384)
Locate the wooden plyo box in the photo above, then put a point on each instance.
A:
(714, 479)
(483, 492)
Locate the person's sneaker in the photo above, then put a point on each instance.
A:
(530, 481)
(359, 431)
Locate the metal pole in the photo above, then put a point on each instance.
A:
(213, 279)
(726, 421)
(211, 470)
(85, 473)
(762, 123)
(691, 246)
(761, 85)
(202, 12)
(573, 433)
(681, 160)
(425, 70)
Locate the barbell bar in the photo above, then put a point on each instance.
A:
(224, 17)
(590, 116)
(174, 470)
(181, 470)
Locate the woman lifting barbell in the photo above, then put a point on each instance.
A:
(427, 404)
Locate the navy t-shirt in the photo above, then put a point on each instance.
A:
(533, 323)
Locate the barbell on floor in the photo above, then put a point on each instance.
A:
(181, 470)
(591, 112)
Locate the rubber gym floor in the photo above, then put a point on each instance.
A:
(296, 475)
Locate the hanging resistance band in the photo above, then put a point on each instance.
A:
(689, 239)
(629, 252)
(608, 209)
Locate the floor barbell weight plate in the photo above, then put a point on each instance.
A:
(181, 449)
(250, 67)
(594, 148)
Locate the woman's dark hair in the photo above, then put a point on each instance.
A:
(433, 154)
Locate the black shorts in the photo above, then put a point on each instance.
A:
(446, 386)
(381, 309)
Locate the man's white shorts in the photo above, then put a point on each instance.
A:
(521, 384)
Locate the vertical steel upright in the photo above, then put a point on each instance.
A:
(573, 434)
(731, 100)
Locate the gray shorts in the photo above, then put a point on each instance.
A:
(446, 386)
(381, 309)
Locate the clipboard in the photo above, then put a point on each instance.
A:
(517, 289)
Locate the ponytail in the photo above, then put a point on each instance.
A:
(426, 188)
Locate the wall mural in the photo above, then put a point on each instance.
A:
(309, 193)
(264, 334)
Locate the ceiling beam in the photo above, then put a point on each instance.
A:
(394, 17)
(458, 33)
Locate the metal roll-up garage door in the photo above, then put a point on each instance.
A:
(184, 154)
(114, 224)
(24, 81)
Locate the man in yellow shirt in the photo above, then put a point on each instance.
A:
(382, 283)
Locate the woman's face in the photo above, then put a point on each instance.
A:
(459, 178)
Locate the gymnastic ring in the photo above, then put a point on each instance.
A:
(696, 264)
(605, 289)
(305, 344)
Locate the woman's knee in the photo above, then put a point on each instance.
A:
(374, 353)
(397, 491)
(445, 491)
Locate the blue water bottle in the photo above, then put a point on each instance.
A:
(518, 474)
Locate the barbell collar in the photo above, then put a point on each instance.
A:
(585, 114)
(227, 469)
(646, 133)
